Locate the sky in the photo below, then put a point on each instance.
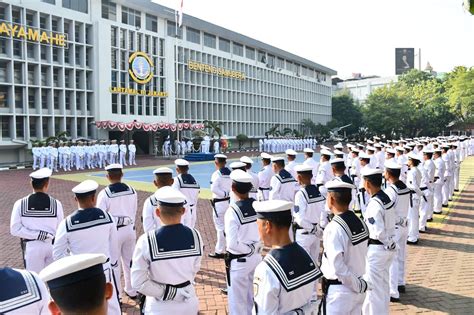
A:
(349, 36)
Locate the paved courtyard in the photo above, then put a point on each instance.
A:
(440, 278)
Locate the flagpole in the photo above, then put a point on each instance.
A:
(176, 75)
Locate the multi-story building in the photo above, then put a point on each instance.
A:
(73, 65)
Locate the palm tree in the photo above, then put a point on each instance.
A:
(214, 127)
(308, 126)
(273, 131)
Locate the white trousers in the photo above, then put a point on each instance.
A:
(42, 161)
(126, 244)
(123, 160)
(456, 178)
(426, 208)
(311, 244)
(414, 219)
(240, 291)
(446, 189)
(341, 300)
(113, 304)
(38, 254)
(36, 161)
(377, 300)
(438, 197)
(218, 218)
(131, 158)
(397, 268)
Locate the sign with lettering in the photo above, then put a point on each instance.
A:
(201, 67)
(16, 31)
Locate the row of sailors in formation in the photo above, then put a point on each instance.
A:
(178, 147)
(82, 155)
(167, 257)
(276, 145)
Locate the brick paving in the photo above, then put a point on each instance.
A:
(440, 277)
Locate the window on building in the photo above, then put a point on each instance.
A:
(162, 107)
(250, 53)
(113, 36)
(123, 37)
(20, 127)
(56, 99)
(2, 13)
(54, 24)
(114, 104)
(209, 40)
(140, 105)
(16, 16)
(280, 63)
(31, 98)
(173, 31)
(262, 56)
(151, 23)
(17, 49)
(3, 47)
(224, 44)
(109, 10)
(131, 17)
(3, 96)
(5, 120)
(123, 104)
(3, 71)
(238, 49)
(33, 130)
(193, 35)
(44, 100)
(131, 104)
(76, 5)
(18, 98)
(29, 19)
(68, 100)
(49, 1)
(271, 61)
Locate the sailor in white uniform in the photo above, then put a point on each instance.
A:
(77, 285)
(242, 245)
(438, 181)
(284, 281)
(35, 150)
(282, 184)
(264, 177)
(344, 257)
(236, 165)
(427, 187)
(22, 292)
(308, 155)
(290, 166)
(163, 176)
(325, 171)
(167, 259)
(220, 188)
(90, 230)
(120, 200)
(448, 175)
(248, 166)
(380, 219)
(123, 153)
(35, 219)
(189, 187)
(399, 194)
(362, 196)
(132, 151)
(113, 152)
(413, 182)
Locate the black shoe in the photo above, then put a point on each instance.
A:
(450, 199)
(424, 231)
(394, 300)
(445, 206)
(131, 297)
(429, 220)
(437, 213)
(412, 243)
(216, 255)
(456, 190)
(224, 291)
(401, 288)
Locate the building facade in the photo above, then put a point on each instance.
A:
(67, 65)
(360, 89)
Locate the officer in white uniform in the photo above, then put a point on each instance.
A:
(163, 177)
(120, 200)
(427, 178)
(448, 174)
(308, 155)
(67, 157)
(88, 155)
(42, 151)
(22, 292)
(60, 155)
(324, 171)
(290, 166)
(35, 219)
(282, 184)
(380, 219)
(220, 188)
(362, 195)
(132, 150)
(438, 181)
(53, 157)
(216, 146)
(242, 245)
(344, 257)
(35, 150)
(413, 182)
(399, 194)
(166, 260)
(79, 153)
(284, 281)
(113, 151)
(248, 166)
(83, 275)
(264, 177)
(90, 230)
(189, 187)
(123, 153)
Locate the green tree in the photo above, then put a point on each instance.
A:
(241, 139)
(345, 111)
(273, 131)
(308, 126)
(214, 128)
(460, 92)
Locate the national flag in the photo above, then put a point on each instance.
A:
(180, 14)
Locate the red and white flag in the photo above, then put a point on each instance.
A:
(180, 13)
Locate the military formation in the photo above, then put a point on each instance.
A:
(278, 145)
(81, 155)
(362, 202)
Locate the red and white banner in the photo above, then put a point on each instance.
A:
(108, 124)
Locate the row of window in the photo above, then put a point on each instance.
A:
(76, 5)
(138, 105)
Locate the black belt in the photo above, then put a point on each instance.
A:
(191, 205)
(228, 257)
(170, 290)
(423, 188)
(374, 242)
(262, 188)
(436, 178)
(216, 200)
(325, 284)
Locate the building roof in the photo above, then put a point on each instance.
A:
(188, 20)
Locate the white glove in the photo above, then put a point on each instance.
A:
(402, 222)
(176, 294)
(49, 236)
(391, 246)
(127, 221)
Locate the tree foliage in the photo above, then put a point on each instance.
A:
(460, 92)
(345, 111)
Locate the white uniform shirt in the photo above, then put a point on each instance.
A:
(399, 194)
(440, 170)
(413, 182)
(253, 191)
(315, 165)
(264, 177)
(221, 183)
(188, 186)
(324, 173)
(430, 169)
(309, 208)
(149, 217)
(380, 218)
(132, 148)
(120, 200)
(123, 148)
(283, 186)
(113, 148)
(290, 167)
(241, 227)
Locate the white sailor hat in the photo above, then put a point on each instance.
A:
(265, 156)
(377, 145)
(115, 166)
(277, 158)
(367, 171)
(391, 151)
(338, 152)
(370, 141)
(390, 164)
(414, 156)
(376, 138)
(41, 173)
(85, 187)
(370, 148)
(168, 196)
(308, 150)
(408, 147)
(437, 150)
(246, 159)
(360, 145)
(445, 146)
(339, 146)
(363, 155)
(237, 164)
(271, 209)
(303, 168)
(241, 176)
(291, 152)
(163, 170)
(181, 162)
(427, 151)
(399, 148)
(325, 152)
(338, 160)
(355, 150)
(349, 145)
(338, 185)
(323, 147)
(71, 269)
(220, 156)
